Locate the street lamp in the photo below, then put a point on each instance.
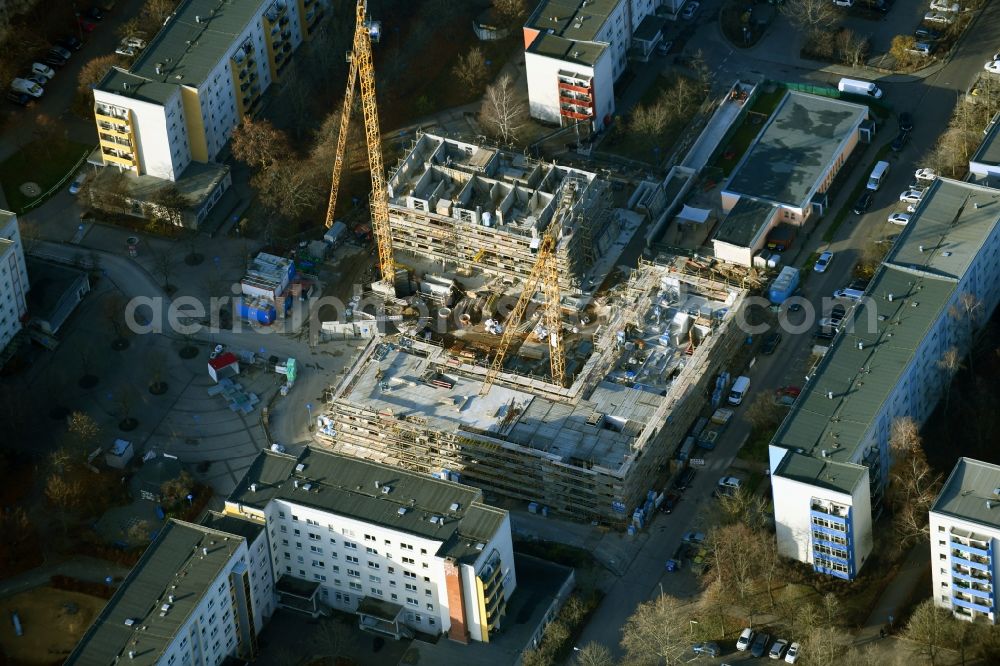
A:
(309, 408)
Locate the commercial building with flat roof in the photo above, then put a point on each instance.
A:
(790, 165)
(575, 50)
(829, 458)
(199, 594)
(203, 71)
(965, 540)
(404, 551)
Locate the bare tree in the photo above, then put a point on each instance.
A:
(913, 485)
(967, 311)
(810, 16)
(511, 12)
(950, 364)
(852, 47)
(743, 507)
(140, 531)
(657, 631)
(594, 654)
(83, 433)
(177, 489)
(928, 629)
(471, 70)
(504, 111)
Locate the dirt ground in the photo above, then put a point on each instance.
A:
(51, 625)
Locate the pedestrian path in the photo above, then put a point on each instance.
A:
(897, 594)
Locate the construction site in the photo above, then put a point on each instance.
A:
(464, 210)
(592, 450)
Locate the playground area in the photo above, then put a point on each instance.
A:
(52, 621)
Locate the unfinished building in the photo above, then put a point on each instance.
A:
(474, 207)
(592, 450)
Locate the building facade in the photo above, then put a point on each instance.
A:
(965, 538)
(13, 280)
(197, 596)
(830, 457)
(206, 69)
(574, 51)
(404, 551)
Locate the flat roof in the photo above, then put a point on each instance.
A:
(866, 360)
(956, 218)
(796, 147)
(560, 48)
(579, 20)
(837, 476)
(175, 563)
(191, 43)
(965, 494)
(649, 28)
(745, 222)
(346, 486)
(989, 150)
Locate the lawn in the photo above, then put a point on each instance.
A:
(45, 163)
(738, 145)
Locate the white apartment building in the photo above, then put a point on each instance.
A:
(830, 458)
(13, 280)
(198, 595)
(965, 538)
(208, 67)
(574, 51)
(402, 550)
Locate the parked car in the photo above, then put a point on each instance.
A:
(70, 43)
(19, 98)
(42, 70)
(86, 24)
(906, 121)
(94, 14)
(901, 219)
(863, 203)
(927, 34)
(74, 187)
(125, 50)
(26, 87)
(771, 341)
(939, 17)
(759, 645)
(922, 48)
(52, 61)
(727, 485)
(693, 538)
(792, 655)
(824, 260)
(690, 10)
(945, 6)
(993, 67)
(669, 502)
(745, 639)
(778, 649)
(707, 649)
(60, 52)
(925, 174)
(900, 141)
(36, 78)
(911, 196)
(135, 42)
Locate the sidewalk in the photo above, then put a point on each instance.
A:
(82, 567)
(897, 594)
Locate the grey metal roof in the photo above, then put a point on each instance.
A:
(247, 529)
(860, 380)
(989, 150)
(965, 493)
(798, 144)
(346, 486)
(175, 558)
(195, 38)
(583, 53)
(573, 19)
(744, 222)
(841, 477)
(952, 222)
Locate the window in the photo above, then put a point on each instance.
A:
(295, 518)
(298, 532)
(371, 551)
(284, 529)
(281, 514)
(337, 581)
(316, 549)
(352, 559)
(427, 593)
(354, 573)
(392, 570)
(430, 607)
(392, 583)
(369, 537)
(409, 560)
(298, 544)
(336, 569)
(423, 551)
(427, 579)
(313, 536)
(318, 563)
(425, 565)
(405, 546)
(431, 621)
(299, 559)
(374, 565)
(394, 596)
(288, 556)
(410, 601)
(387, 542)
(376, 591)
(319, 577)
(374, 579)
(355, 586)
(409, 574)
(411, 588)
(350, 545)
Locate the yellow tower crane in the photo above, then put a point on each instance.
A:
(546, 272)
(366, 31)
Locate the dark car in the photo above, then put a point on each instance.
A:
(21, 99)
(94, 14)
(825, 333)
(900, 141)
(759, 645)
(70, 42)
(685, 479)
(905, 122)
(707, 649)
(669, 502)
(924, 33)
(52, 60)
(863, 203)
(771, 341)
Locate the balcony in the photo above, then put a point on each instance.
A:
(970, 561)
(970, 604)
(283, 20)
(971, 589)
(286, 34)
(286, 47)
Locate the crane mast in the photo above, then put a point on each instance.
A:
(362, 67)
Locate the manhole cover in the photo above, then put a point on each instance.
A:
(30, 189)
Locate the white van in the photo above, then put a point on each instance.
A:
(877, 176)
(858, 87)
(740, 388)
